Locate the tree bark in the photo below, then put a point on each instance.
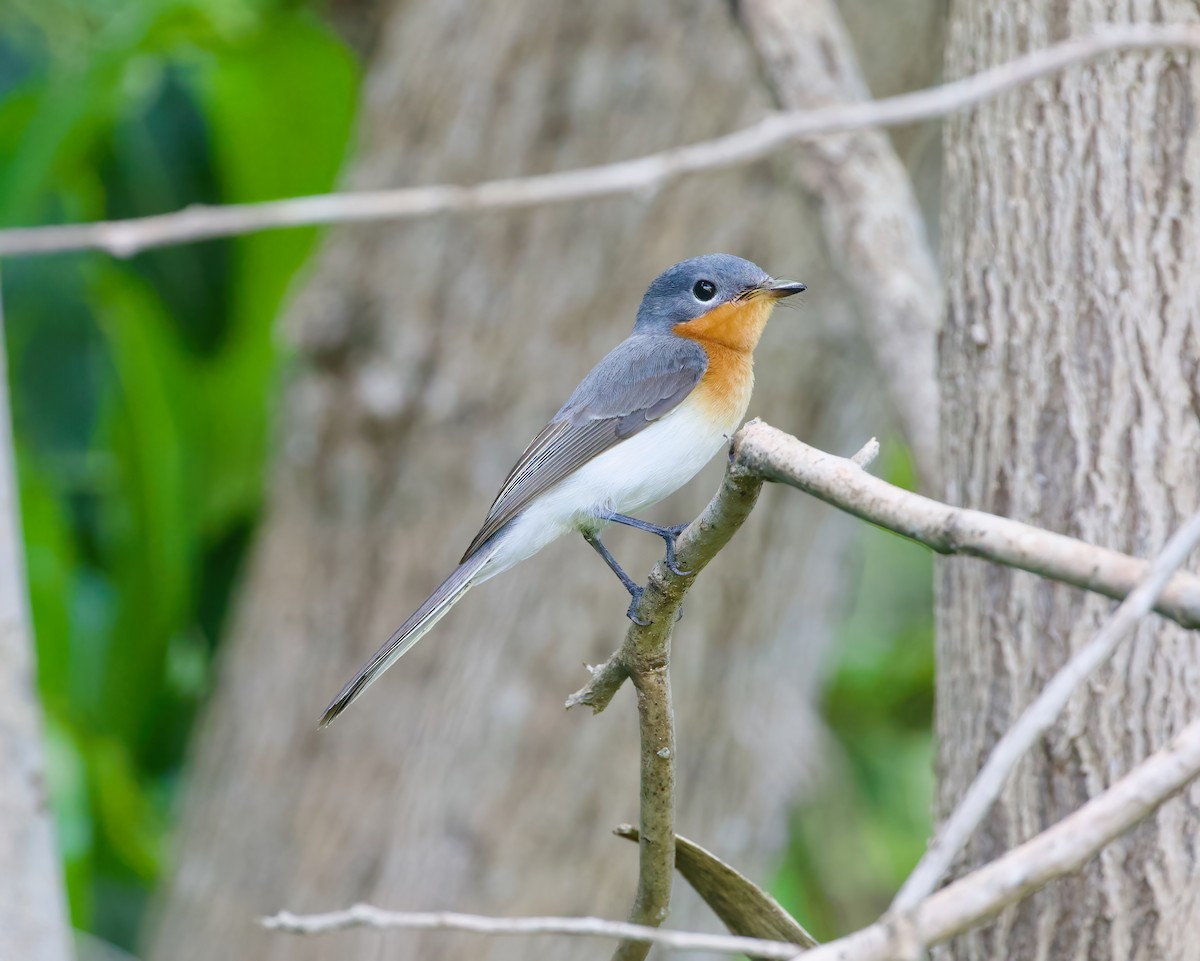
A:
(33, 913)
(428, 354)
(1070, 399)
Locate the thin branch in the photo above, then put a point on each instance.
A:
(775, 456)
(971, 900)
(649, 666)
(643, 175)
(366, 916)
(1039, 717)
(1059, 850)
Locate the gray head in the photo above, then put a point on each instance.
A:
(693, 287)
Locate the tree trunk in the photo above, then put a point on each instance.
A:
(1070, 399)
(429, 354)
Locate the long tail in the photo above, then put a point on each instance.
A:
(419, 624)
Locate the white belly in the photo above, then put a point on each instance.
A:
(625, 479)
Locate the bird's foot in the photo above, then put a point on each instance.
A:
(670, 535)
(632, 612)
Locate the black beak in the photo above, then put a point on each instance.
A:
(785, 289)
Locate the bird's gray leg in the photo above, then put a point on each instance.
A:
(635, 591)
(668, 534)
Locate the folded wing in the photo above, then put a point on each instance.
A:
(640, 381)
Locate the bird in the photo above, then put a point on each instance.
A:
(638, 427)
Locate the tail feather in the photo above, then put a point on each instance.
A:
(407, 634)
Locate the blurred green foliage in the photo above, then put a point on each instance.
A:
(865, 826)
(140, 387)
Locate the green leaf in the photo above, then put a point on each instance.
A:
(50, 560)
(130, 820)
(149, 521)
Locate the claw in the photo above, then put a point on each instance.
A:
(631, 613)
(670, 535)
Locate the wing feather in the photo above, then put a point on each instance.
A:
(642, 380)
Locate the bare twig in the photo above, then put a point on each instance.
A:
(866, 454)
(872, 222)
(1038, 718)
(33, 917)
(644, 175)
(969, 901)
(366, 916)
(775, 456)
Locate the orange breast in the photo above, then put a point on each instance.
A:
(724, 390)
(728, 334)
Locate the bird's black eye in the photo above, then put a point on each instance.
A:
(704, 290)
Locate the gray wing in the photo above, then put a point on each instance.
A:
(641, 380)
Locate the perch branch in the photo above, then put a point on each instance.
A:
(771, 454)
(643, 175)
(1038, 718)
(760, 452)
(661, 603)
(969, 901)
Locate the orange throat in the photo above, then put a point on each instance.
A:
(728, 334)
(736, 325)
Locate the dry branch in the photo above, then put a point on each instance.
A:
(644, 175)
(366, 916)
(1059, 850)
(649, 664)
(760, 452)
(775, 456)
(973, 899)
(1038, 718)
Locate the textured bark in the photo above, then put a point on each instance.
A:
(429, 353)
(1070, 399)
(33, 914)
